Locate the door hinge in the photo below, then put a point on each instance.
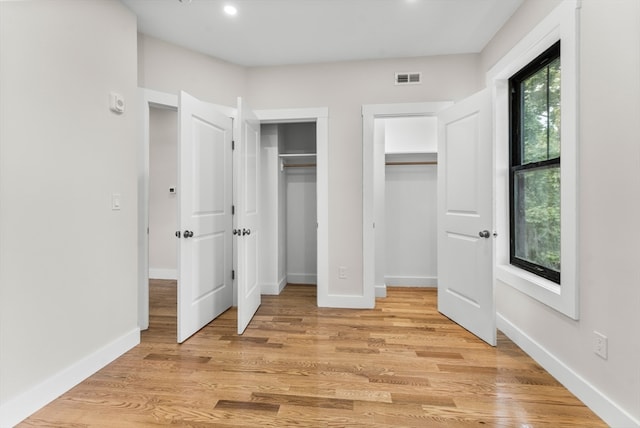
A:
(233, 274)
(233, 210)
(233, 145)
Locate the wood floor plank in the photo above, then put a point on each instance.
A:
(302, 400)
(401, 364)
(247, 405)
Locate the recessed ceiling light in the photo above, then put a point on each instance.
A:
(230, 10)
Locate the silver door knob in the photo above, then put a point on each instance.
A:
(187, 234)
(484, 234)
(246, 232)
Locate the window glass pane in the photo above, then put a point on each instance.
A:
(537, 224)
(554, 109)
(540, 95)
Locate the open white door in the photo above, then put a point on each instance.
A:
(205, 287)
(247, 142)
(465, 216)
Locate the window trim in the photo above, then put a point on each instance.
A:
(561, 24)
(515, 155)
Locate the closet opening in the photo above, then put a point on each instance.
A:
(289, 208)
(405, 186)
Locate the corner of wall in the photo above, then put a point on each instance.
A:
(19, 408)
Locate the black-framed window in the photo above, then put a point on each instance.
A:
(534, 179)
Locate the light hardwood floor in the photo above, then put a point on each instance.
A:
(401, 364)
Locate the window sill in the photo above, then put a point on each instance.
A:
(540, 289)
(523, 280)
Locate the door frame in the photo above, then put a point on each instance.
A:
(320, 116)
(149, 98)
(370, 112)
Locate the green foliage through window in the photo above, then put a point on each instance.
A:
(535, 166)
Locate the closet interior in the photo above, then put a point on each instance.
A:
(288, 247)
(406, 196)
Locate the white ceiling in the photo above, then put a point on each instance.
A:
(278, 32)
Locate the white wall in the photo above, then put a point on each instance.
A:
(609, 208)
(344, 88)
(411, 134)
(163, 174)
(68, 290)
(169, 68)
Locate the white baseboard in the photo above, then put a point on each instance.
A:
(269, 289)
(302, 278)
(19, 408)
(273, 289)
(601, 405)
(411, 281)
(163, 273)
(381, 290)
(282, 284)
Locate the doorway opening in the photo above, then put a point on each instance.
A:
(373, 181)
(163, 221)
(162, 206)
(289, 201)
(405, 182)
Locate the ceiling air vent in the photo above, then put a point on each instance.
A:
(411, 78)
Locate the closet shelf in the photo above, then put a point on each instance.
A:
(401, 163)
(297, 160)
(410, 153)
(414, 158)
(296, 155)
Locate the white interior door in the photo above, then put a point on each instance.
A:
(205, 287)
(247, 140)
(465, 216)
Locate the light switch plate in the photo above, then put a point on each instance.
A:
(115, 201)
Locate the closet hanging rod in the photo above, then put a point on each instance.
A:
(413, 163)
(300, 165)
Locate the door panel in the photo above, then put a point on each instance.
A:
(205, 288)
(248, 150)
(461, 152)
(465, 208)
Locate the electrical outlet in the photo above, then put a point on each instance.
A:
(342, 272)
(600, 344)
